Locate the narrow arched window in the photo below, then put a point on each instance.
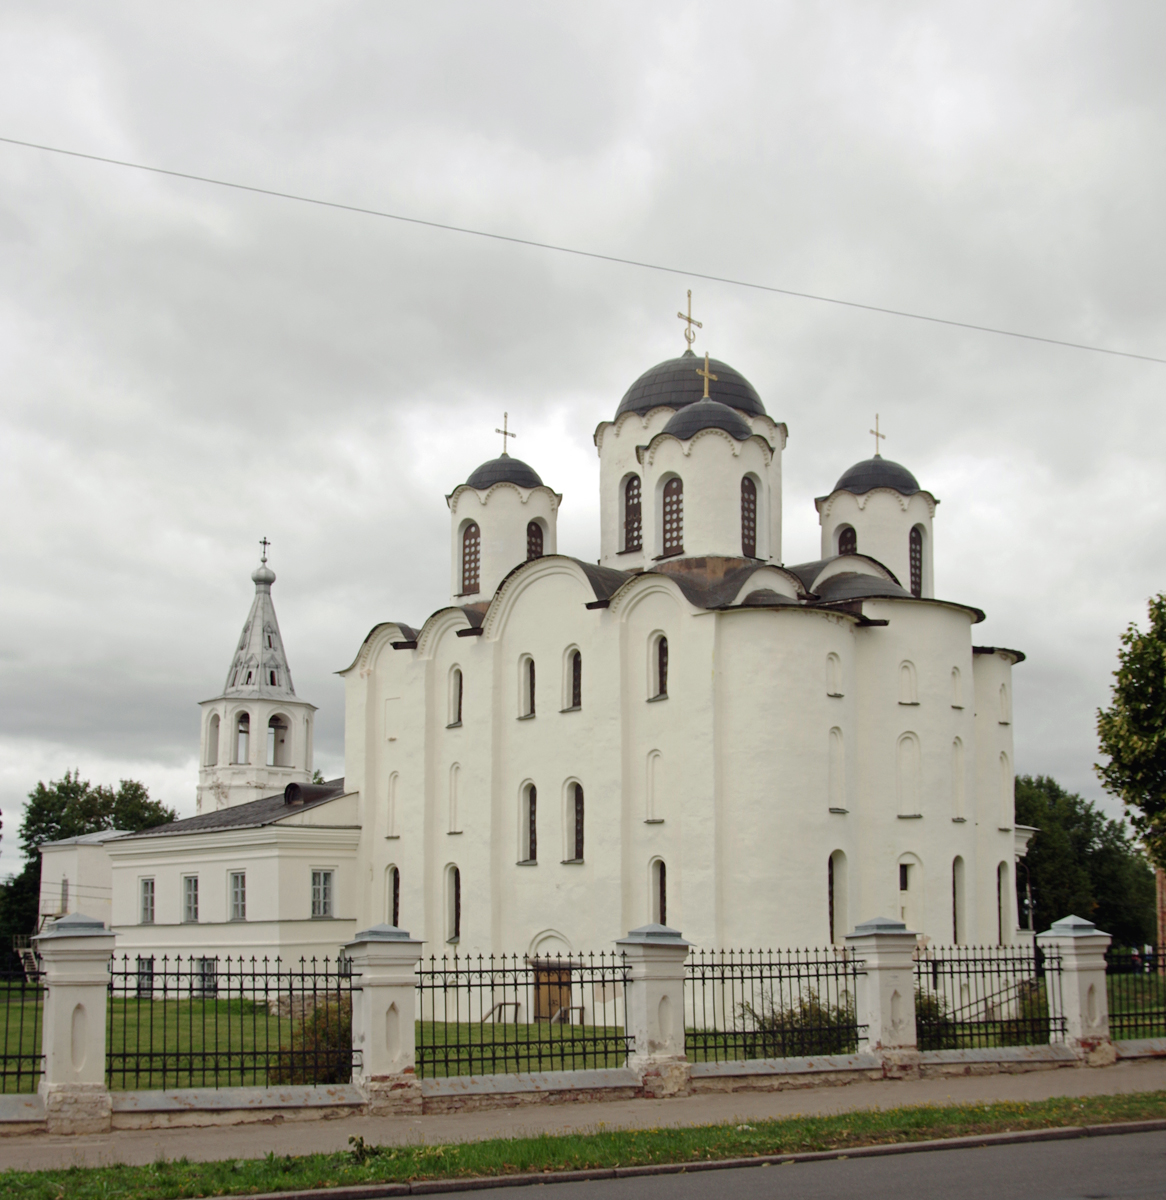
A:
(528, 688)
(957, 900)
(673, 517)
(838, 902)
(662, 667)
(278, 744)
(1002, 904)
(530, 824)
(847, 540)
(471, 557)
(243, 738)
(455, 697)
(916, 561)
(534, 540)
(393, 896)
(453, 904)
(212, 741)
(830, 894)
(632, 523)
(659, 892)
(748, 518)
(577, 814)
(576, 680)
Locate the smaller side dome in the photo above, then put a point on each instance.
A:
(708, 414)
(877, 472)
(504, 470)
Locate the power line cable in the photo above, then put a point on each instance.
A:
(592, 254)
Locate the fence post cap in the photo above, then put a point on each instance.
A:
(1072, 926)
(74, 925)
(383, 933)
(653, 935)
(879, 925)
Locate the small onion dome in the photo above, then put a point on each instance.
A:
(877, 472)
(765, 598)
(504, 470)
(675, 383)
(708, 414)
(263, 574)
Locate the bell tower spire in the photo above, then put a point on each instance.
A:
(256, 734)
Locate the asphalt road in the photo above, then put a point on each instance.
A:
(1131, 1166)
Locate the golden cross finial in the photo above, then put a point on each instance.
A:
(505, 432)
(877, 436)
(264, 543)
(689, 332)
(706, 374)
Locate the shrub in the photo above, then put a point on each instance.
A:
(808, 1026)
(934, 1027)
(321, 1045)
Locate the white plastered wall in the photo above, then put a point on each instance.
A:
(617, 442)
(502, 514)
(711, 465)
(882, 520)
(225, 783)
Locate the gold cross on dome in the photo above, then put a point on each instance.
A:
(877, 436)
(706, 375)
(689, 332)
(264, 543)
(505, 432)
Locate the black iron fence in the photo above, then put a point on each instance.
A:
(1136, 983)
(506, 1013)
(228, 1022)
(970, 997)
(22, 998)
(745, 1004)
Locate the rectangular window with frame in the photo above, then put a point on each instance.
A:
(190, 897)
(147, 909)
(238, 895)
(322, 893)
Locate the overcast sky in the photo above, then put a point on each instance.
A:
(185, 369)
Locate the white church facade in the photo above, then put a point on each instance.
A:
(689, 731)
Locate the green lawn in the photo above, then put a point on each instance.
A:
(20, 1015)
(532, 1156)
(1137, 1006)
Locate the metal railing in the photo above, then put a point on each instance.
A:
(22, 1000)
(746, 1004)
(216, 1022)
(971, 997)
(506, 1013)
(1136, 983)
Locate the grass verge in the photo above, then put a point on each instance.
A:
(571, 1152)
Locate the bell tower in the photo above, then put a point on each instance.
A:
(256, 735)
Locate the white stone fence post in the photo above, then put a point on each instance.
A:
(76, 952)
(1082, 998)
(654, 1008)
(886, 992)
(384, 1009)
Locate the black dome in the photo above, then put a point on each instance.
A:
(503, 470)
(675, 383)
(877, 472)
(708, 414)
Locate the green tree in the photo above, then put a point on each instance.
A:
(1132, 731)
(65, 808)
(1082, 862)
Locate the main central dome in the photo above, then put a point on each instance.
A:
(675, 384)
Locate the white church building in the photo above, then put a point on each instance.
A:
(689, 731)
